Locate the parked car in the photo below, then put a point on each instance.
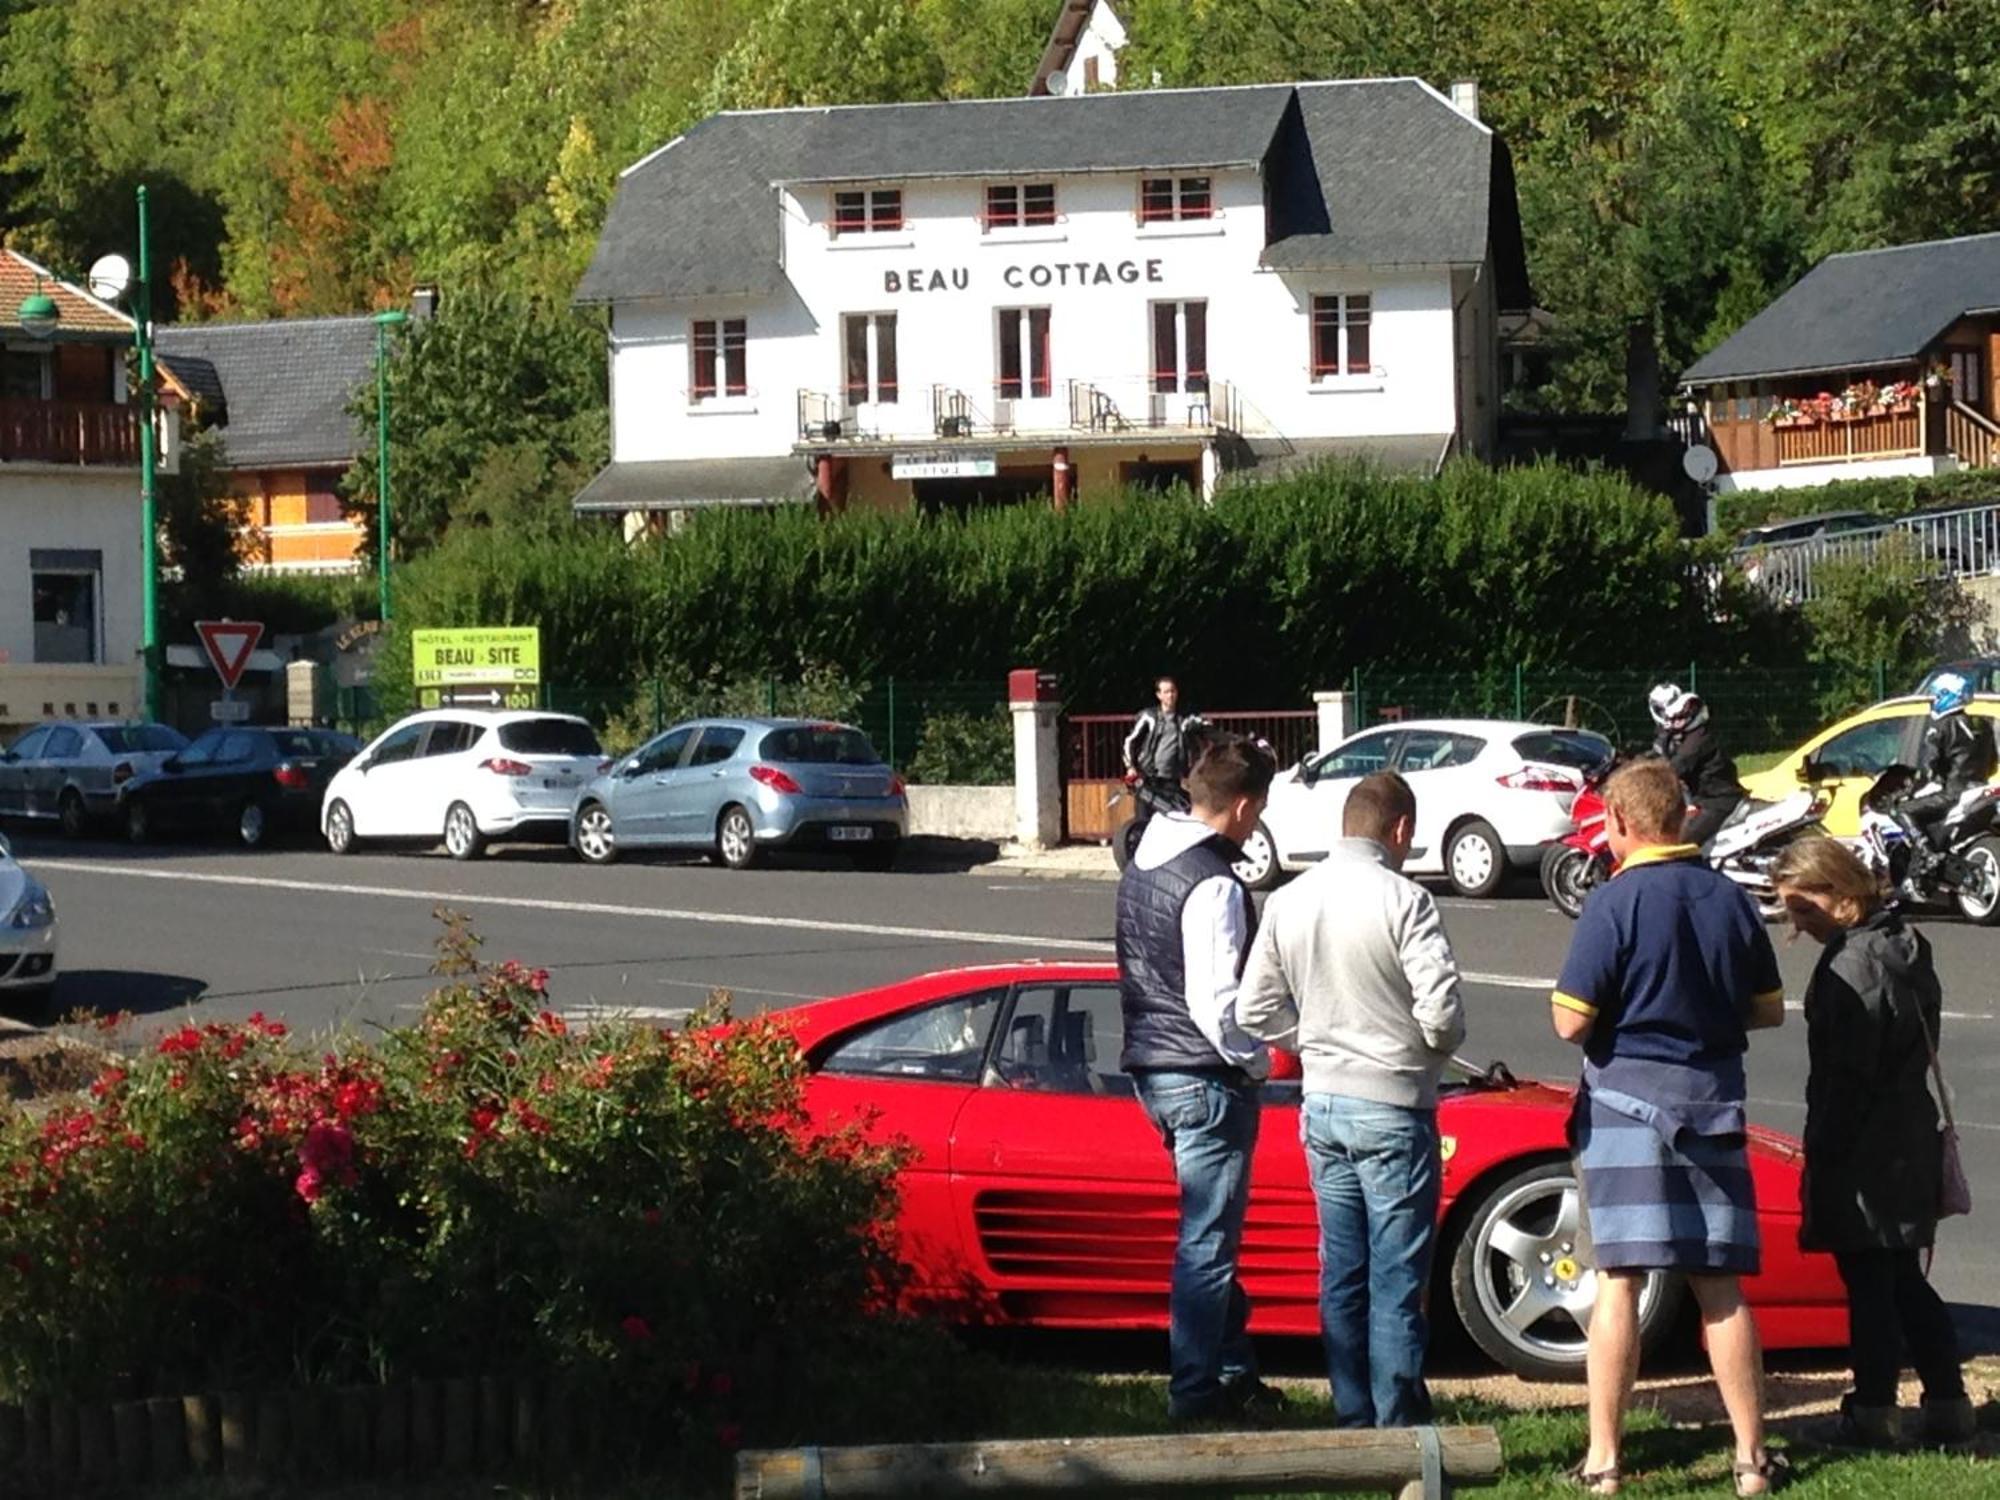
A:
(253, 783)
(72, 770)
(28, 937)
(1490, 794)
(1808, 528)
(1036, 1191)
(740, 787)
(466, 777)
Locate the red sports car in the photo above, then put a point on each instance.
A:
(1040, 1193)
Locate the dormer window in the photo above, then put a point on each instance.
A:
(1020, 205)
(1172, 200)
(867, 211)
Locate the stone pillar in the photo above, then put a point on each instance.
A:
(1038, 810)
(1063, 479)
(304, 698)
(1338, 715)
(1211, 470)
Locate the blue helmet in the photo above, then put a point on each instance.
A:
(1950, 693)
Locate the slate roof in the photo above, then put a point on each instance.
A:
(1370, 172)
(696, 483)
(283, 386)
(82, 314)
(1865, 308)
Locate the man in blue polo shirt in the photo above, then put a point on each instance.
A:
(1669, 970)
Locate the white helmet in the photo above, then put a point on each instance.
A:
(1674, 709)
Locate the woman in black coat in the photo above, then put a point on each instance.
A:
(1874, 1158)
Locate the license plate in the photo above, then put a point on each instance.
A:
(555, 783)
(850, 835)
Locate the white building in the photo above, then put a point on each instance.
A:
(69, 506)
(1082, 54)
(959, 303)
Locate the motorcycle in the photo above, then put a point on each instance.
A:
(1744, 849)
(1968, 876)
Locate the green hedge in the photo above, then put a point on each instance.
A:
(1887, 497)
(1270, 592)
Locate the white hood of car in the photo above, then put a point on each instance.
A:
(13, 882)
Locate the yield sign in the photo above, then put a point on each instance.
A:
(229, 644)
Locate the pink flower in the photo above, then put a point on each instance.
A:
(637, 1329)
(307, 1185)
(328, 1150)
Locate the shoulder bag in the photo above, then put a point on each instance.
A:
(1954, 1192)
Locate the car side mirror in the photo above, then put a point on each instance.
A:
(361, 763)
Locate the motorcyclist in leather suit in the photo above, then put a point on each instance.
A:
(1707, 773)
(1162, 746)
(1959, 753)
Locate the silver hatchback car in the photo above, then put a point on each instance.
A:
(74, 771)
(740, 787)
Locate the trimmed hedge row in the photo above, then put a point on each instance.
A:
(1270, 592)
(1886, 497)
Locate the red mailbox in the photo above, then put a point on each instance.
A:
(1027, 685)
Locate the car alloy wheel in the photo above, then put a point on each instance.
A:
(596, 840)
(71, 813)
(340, 829)
(1258, 868)
(461, 833)
(252, 825)
(736, 839)
(1523, 1282)
(138, 822)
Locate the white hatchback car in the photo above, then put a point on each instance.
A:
(463, 776)
(1490, 794)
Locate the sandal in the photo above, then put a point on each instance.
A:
(1593, 1484)
(1773, 1468)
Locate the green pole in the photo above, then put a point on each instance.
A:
(384, 321)
(149, 508)
(1694, 679)
(892, 721)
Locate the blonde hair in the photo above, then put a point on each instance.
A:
(1827, 867)
(1647, 795)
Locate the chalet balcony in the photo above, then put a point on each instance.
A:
(69, 432)
(1055, 411)
(1888, 434)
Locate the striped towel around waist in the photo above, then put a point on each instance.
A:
(1659, 1196)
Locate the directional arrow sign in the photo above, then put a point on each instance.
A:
(229, 644)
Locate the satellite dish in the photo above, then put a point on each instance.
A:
(1699, 464)
(1057, 83)
(109, 277)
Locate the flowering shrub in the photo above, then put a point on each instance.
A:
(1862, 399)
(488, 1189)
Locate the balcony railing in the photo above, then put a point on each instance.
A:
(1890, 434)
(68, 432)
(1071, 409)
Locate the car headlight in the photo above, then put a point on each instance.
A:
(36, 908)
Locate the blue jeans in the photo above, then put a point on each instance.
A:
(1376, 1174)
(1209, 1123)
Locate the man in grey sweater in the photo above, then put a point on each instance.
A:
(1351, 968)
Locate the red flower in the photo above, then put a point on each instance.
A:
(177, 1081)
(328, 1151)
(135, 1141)
(721, 1384)
(548, 1020)
(233, 1048)
(357, 1097)
(531, 1121)
(108, 1080)
(307, 1185)
(730, 1435)
(637, 1329)
(187, 1039)
(269, 1028)
(652, 1217)
(484, 1118)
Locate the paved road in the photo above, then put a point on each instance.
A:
(324, 941)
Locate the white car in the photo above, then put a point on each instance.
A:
(27, 937)
(1490, 794)
(465, 777)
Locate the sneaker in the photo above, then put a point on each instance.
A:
(1251, 1400)
(1949, 1421)
(1865, 1427)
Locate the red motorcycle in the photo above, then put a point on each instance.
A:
(1575, 864)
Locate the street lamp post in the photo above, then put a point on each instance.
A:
(384, 321)
(40, 314)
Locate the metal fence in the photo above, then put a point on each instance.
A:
(1754, 708)
(1951, 544)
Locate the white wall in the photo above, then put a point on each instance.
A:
(1258, 321)
(69, 507)
(1810, 476)
(1103, 37)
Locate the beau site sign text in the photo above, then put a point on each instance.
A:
(478, 657)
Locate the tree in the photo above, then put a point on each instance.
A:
(1888, 612)
(203, 534)
(828, 52)
(498, 415)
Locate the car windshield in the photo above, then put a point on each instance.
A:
(1576, 748)
(312, 742)
(549, 737)
(819, 745)
(140, 739)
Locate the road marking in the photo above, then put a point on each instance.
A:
(590, 908)
(1507, 981)
(430, 957)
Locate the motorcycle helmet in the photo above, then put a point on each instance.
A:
(1674, 709)
(1950, 693)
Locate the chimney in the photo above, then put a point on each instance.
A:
(1465, 97)
(423, 303)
